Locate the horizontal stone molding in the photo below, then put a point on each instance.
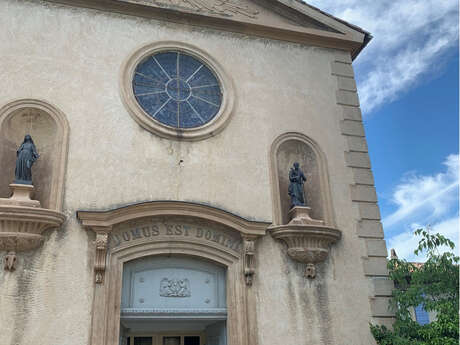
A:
(370, 229)
(382, 286)
(351, 127)
(358, 144)
(352, 113)
(357, 159)
(380, 307)
(368, 210)
(375, 266)
(342, 69)
(346, 83)
(376, 247)
(108, 218)
(363, 193)
(363, 176)
(347, 98)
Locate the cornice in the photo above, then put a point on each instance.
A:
(338, 34)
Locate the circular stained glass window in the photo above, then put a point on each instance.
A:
(177, 89)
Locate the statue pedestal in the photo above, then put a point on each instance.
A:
(301, 215)
(22, 222)
(307, 239)
(22, 196)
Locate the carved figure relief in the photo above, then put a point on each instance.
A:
(175, 288)
(227, 8)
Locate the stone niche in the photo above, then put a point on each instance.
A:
(49, 130)
(31, 210)
(286, 150)
(307, 231)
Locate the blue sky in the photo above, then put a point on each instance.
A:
(408, 86)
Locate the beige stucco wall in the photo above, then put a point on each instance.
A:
(72, 59)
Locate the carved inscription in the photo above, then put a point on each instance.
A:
(149, 232)
(175, 288)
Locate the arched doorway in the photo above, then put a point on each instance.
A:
(183, 237)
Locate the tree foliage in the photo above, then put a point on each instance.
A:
(434, 285)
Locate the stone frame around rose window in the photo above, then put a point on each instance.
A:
(207, 130)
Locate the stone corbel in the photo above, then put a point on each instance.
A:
(22, 222)
(102, 237)
(308, 240)
(249, 260)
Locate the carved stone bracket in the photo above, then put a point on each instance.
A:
(22, 222)
(308, 240)
(249, 261)
(102, 236)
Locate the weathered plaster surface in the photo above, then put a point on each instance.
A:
(72, 59)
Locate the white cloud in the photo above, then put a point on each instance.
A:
(426, 198)
(411, 37)
(406, 242)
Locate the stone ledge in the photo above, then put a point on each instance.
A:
(363, 176)
(370, 229)
(376, 247)
(347, 98)
(351, 127)
(363, 193)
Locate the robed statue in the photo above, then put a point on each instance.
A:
(26, 156)
(295, 191)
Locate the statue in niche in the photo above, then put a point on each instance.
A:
(295, 191)
(26, 156)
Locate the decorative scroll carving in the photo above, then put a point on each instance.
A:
(308, 240)
(101, 253)
(175, 288)
(227, 8)
(249, 252)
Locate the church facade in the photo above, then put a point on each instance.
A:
(196, 174)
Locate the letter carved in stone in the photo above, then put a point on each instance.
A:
(175, 288)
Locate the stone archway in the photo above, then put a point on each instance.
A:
(172, 228)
